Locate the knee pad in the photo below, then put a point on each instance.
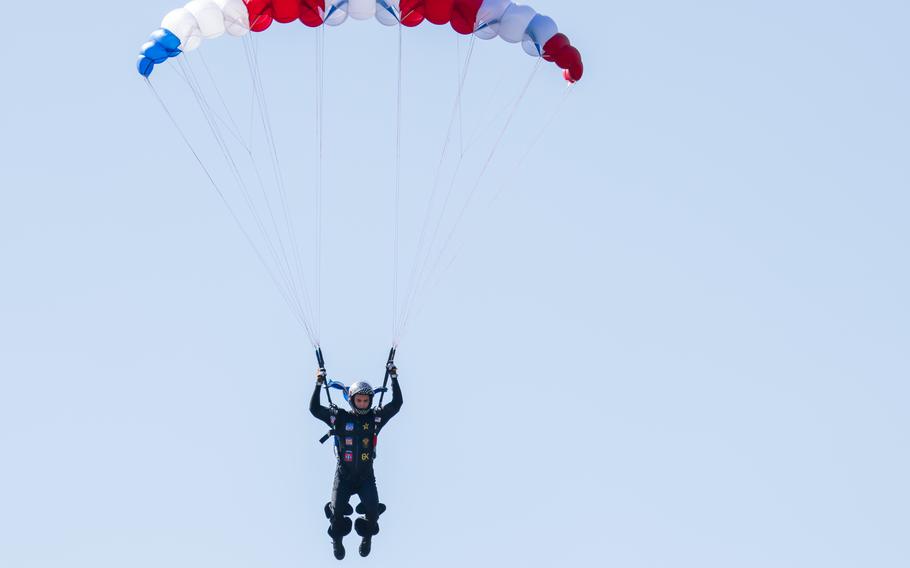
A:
(366, 527)
(361, 511)
(340, 527)
(348, 510)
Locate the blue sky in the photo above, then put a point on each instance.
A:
(677, 338)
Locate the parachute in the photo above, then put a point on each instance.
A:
(184, 29)
(267, 223)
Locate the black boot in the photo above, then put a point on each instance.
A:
(338, 528)
(365, 546)
(338, 548)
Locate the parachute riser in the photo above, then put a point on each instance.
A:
(385, 379)
(321, 361)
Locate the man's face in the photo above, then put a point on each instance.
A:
(362, 401)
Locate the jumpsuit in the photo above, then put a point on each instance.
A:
(355, 442)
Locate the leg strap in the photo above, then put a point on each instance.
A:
(361, 511)
(348, 510)
(339, 528)
(366, 527)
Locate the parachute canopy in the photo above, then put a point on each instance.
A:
(184, 29)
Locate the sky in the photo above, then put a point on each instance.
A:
(677, 337)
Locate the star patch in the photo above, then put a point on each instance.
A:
(366, 426)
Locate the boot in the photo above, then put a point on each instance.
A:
(338, 548)
(338, 528)
(365, 546)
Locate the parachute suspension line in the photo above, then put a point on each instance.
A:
(208, 113)
(257, 98)
(285, 262)
(422, 301)
(421, 241)
(298, 283)
(489, 124)
(397, 212)
(534, 141)
(191, 76)
(233, 128)
(291, 227)
(227, 204)
(289, 290)
(192, 81)
(420, 265)
(486, 165)
(320, 143)
(265, 116)
(458, 78)
(249, 151)
(495, 148)
(252, 114)
(474, 187)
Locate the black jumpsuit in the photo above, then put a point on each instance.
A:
(355, 442)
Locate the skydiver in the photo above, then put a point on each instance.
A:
(355, 432)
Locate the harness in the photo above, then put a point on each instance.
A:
(355, 436)
(370, 428)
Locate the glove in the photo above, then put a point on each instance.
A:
(320, 376)
(393, 372)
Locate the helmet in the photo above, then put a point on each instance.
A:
(360, 387)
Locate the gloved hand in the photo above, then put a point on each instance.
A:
(320, 376)
(393, 371)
